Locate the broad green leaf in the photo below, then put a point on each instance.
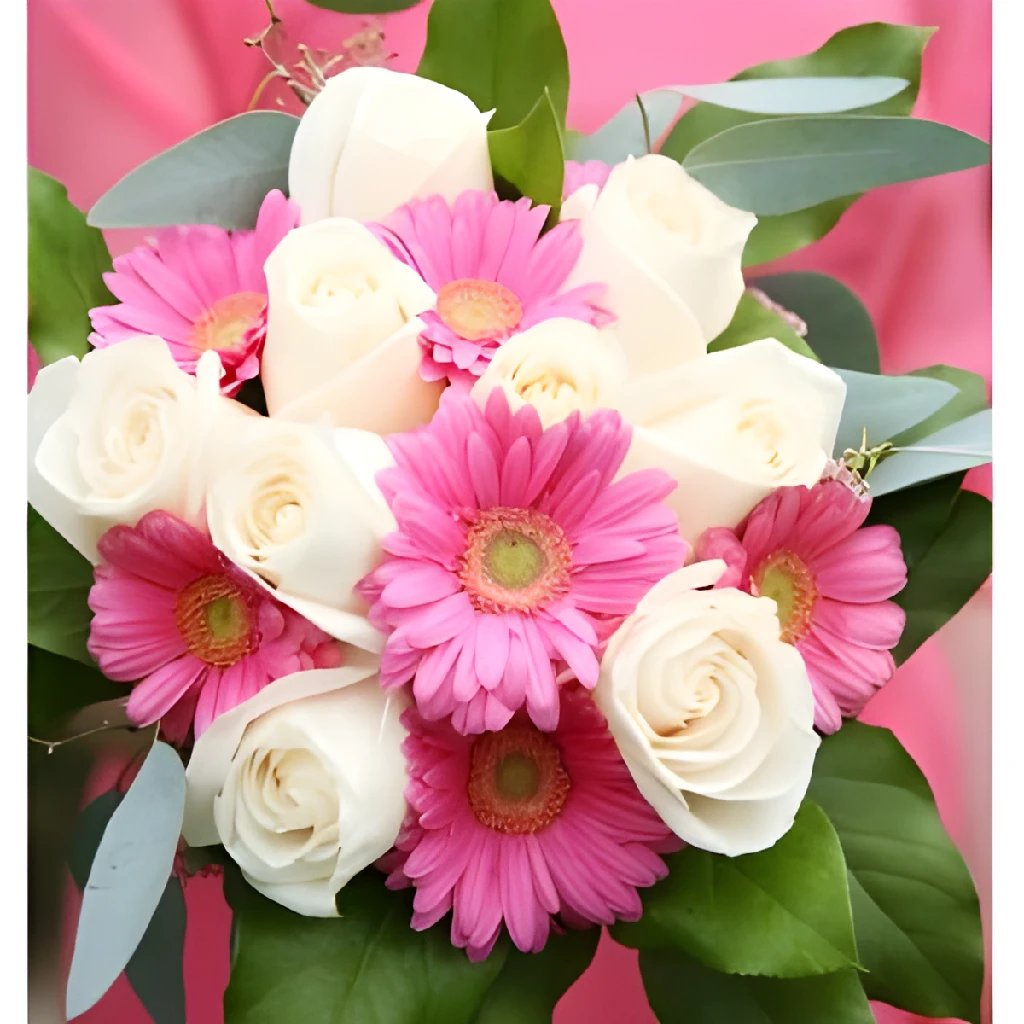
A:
(529, 985)
(529, 156)
(783, 912)
(366, 966)
(786, 164)
(871, 49)
(753, 321)
(219, 176)
(59, 579)
(365, 6)
(156, 968)
(501, 55)
(59, 687)
(128, 877)
(885, 405)
(839, 329)
(947, 576)
(66, 261)
(806, 95)
(623, 136)
(915, 909)
(962, 445)
(971, 397)
(682, 991)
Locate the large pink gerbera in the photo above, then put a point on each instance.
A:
(512, 544)
(493, 273)
(199, 288)
(172, 611)
(524, 827)
(831, 578)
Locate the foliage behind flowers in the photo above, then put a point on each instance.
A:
(489, 569)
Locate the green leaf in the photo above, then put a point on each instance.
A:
(59, 687)
(66, 259)
(529, 155)
(915, 909)
(871, 49)
(971, 397)
(366, 966)
(365, 6)
(803, 95)
(59, 579)
(948, 574)
(219, 176)
(529, 985)
(681, 991)
(501, 55)
(751, 322)
(783, 912)
(787, 164)
(128, 877)
(156, 969)
(839, 329)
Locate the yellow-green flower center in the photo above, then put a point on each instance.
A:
(476, 309)
(513, 560)
(788, 582)
(216, 621)
(226, 323)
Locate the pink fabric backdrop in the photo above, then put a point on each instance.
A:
(113, 81)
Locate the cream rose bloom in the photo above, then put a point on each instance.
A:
(342, 331)
(303, 784)
(373, 139)
(732, 427)
(121, 433)
(712, 712)
(559, 366)
(298, 507)
(670, 252)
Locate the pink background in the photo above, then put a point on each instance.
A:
(113, 81)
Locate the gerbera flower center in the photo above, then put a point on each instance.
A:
(788, 582)
(226, 323)
(517, 782)
(515, 559)
(476, 309)
(214, 617)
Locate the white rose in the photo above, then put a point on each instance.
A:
(732, 427)
(670, 253)
(342, 331)
(303, 784)
(712, 712)
(559, 366)
(373, 139)
(121, 433)
(298, 507)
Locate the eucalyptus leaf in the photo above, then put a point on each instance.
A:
(368, 965)
(128, 877)
(59, 579)
(753, 321)
(962, 445)
(59, 687)
(219, 176)
(783, 912)
(808, 95)
(66, 261)
(971, 397)
(871, 49)
(156, 969)
(786, 164)
(501, 55)
(529, 156)
(623, 136)
(682, 991)
(885, 405)
(948, 574)
(365, 6)
(839, 329)
(914, 905)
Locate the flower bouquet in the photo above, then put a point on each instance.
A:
(485, 553)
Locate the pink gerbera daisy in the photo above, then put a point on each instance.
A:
(512, 544)
(199, 288)
(493, 273)
(172, 611)
(524, 827)
(831, 578)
